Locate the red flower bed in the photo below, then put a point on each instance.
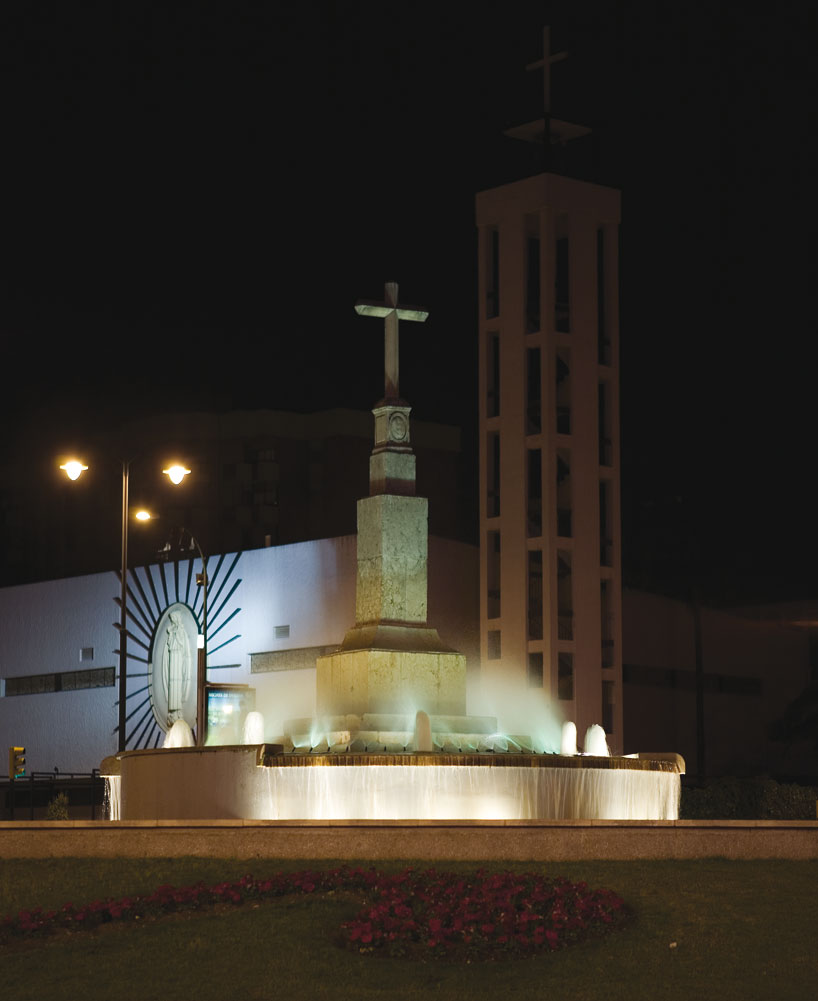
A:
(479, 916)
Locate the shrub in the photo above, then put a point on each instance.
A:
(761, 798)
(57, 808)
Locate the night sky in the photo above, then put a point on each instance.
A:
(195, 201)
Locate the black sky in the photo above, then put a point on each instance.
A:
(193, 202)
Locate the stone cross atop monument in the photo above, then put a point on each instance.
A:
(391, 661)
(392, 311)
(392, 464)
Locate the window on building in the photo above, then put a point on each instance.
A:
(564, 493)
(493, 474)
(62, 681)
(535, 670)
(493, 644)
(535, 594)
(563, 390)
(532, 274)
(562, 279)
(603, 336)
(492, 272)
(533, 395)
(493, 575)
(565, 676)
(565, 596)
(605, 524)
(493, 374)
(534, 493)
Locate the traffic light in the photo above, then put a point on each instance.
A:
(17, 762)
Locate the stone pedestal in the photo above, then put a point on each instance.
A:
(391, 681)
(391, 661)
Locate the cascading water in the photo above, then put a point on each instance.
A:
(500, 782)
(253, 728)
(476, 792)
(112, 801)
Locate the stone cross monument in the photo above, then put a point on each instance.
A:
(391, 661)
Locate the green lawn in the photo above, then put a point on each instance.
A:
(742, 930)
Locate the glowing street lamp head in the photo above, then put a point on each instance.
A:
(143, 515)
(73, 468)
(176, 473)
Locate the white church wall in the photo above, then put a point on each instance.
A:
(46, 629)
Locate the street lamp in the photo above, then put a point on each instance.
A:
(73, 469)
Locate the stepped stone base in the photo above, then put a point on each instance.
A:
(361, 681)
(394, 733)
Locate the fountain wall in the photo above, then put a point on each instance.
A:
(257, 783)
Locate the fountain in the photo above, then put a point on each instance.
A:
(392, 739)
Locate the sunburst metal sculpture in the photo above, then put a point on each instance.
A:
(151, 590)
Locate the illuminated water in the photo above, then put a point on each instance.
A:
(112, 800)
(595, 742)
(179, 735)
(257, 781)
(568, 742)
(403, 792)
(253, 728)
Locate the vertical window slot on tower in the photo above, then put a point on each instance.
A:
(565, 676)
(603, 339)
(533, 394)
(532, 274)
(492, 272)
(608, 706)
(535, 670)
(493, 375)
(565, 597)
(606, 612)
(535, 594)
(493, 474)
(564, 493)
(562, 278)
(563, 390)
(534, 493)
(604, 418)
(605, 524)
(493, 575)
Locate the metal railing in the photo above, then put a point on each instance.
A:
(31, 794)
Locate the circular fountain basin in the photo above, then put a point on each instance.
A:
(260, 783)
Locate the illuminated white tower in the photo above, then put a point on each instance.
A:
(549, 438)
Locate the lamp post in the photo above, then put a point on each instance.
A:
(73, 469)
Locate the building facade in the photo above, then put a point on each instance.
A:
(550, 564)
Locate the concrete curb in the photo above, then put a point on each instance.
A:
(564, 840)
